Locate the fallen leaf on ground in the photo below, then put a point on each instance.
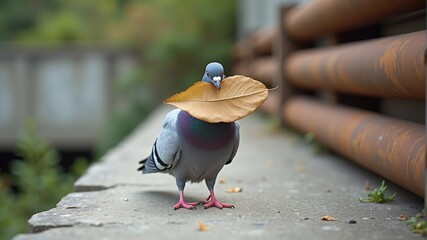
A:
(403, 218)
(235, 189)
(238, 97)
(328, 218)
(203, 227)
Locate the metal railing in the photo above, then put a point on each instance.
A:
(335, 60)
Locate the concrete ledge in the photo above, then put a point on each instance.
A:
(118, 166)
(286, 191)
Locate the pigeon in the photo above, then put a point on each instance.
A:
(193, 150)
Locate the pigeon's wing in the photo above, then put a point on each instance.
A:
(236, 144)
(166, 149)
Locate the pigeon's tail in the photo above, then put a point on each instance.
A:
(148, 165)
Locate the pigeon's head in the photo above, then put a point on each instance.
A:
(214, 74)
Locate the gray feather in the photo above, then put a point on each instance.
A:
(166, 149)
(183, 160)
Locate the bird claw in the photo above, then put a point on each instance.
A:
(182, 204)
(217, 204)
(211, 201)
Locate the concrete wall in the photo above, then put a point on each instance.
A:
(68, 92)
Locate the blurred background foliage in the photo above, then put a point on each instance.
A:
(36, 182)
(173, 39)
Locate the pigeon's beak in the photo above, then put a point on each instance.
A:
(217, 82)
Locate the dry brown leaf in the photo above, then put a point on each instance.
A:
(328, 218)
(203, 227)
(239, 96)
(403, 218)
(235, 189)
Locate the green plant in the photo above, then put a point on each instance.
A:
(38, 180)
(418, 225)
(378, 195)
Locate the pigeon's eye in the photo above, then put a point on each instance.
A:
(207, 74)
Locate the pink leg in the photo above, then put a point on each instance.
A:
(183, 204)
(215, 203)
(207, 200)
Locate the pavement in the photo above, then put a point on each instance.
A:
(286, 189)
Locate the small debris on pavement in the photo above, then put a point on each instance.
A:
(234, 189)
(403, 218)
(328, 218)
(71, 207)
(221, 180)
(203, 227)
(351, 221)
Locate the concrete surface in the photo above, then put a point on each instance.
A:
(287, 189)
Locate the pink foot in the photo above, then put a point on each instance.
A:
(213, 202)
(183, 204)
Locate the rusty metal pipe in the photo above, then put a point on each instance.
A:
(263, 39)
(258, 43)
(261, 69)
(387, 67)
(242, 50)
(318, 17)
(392, 148)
